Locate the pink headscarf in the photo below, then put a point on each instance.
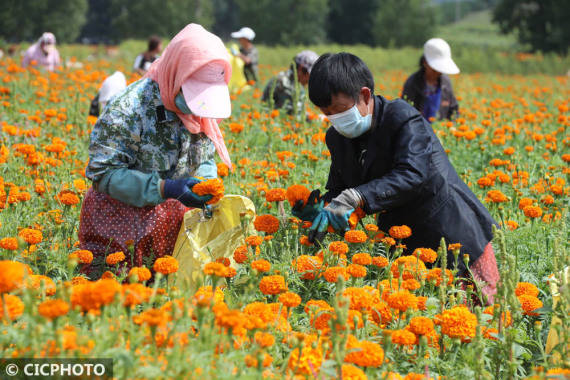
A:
(191, 49)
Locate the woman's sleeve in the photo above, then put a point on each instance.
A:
(207, 168)
(137, 63)
(115, 141)
(131, 186)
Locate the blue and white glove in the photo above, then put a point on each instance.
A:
(308, 212)
(181, 190)
(336, 213)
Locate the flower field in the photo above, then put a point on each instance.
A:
(354, 308)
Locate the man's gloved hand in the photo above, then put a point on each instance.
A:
(309, 211)
(336, 213)
(181, 190)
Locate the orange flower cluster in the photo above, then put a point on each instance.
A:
(139, 274)
(31, 236)
(400, 232)
(355, 236)
(297, 193)
(457, 322)
(276, 195)
(266, 223)
(165, 265)
(115, 258)
(91, 296)
(53, 308)
(213, 187)
(272, 285)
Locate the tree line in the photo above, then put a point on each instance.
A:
(386, 23)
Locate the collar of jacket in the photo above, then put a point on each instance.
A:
(372, 148)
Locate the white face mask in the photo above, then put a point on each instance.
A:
(351, 123)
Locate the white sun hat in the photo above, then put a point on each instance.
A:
(438, 55)
(206, 92)
(244, 32)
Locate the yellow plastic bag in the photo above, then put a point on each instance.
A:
(203, 240)
(237, 81)
(553, 339)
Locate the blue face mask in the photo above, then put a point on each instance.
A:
(351, 123)
(181, 104)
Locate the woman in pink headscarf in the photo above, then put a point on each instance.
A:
(148, 146)
(43, 53)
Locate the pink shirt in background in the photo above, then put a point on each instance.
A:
(35, 53)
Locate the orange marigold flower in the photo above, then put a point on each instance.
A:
(355, 236)
(10, 306)
(139, 274)
(332, 274)
(338, 247)
(90, 296)
(261, 266)
(304, 240)
(213, 187)
(31, 236)
(37, 281)
(403, 337)
(115, 258)
(240, 254)
(381, 312)
(53, 308)
(271, 285)
(83, 256)
(457, 322)
(434, 274)
(276, 195)
(222, 169)
(512, 225)
(526, 288)
(151, 317)
(350, 372)
(135, 294)
(306, 361)
(427, 255)
(108, 275)
(290, 299)
(297, 193)
(454, 246)
(411, 284)
(356, 271)
(525, 202)
(529, 304)
(490, 333)
(412, 267)
(362, 259)
(266, 223)
(10, 244)
(264, 339)
(402, 300)
(253, 240)
(364, 353)
(532, 211)
(165, 265)
(421, 325)
(380, 261)
(12, 274)
(307, 266)
(215, 269)
(497, 196)
(68, 198)
(505, 317)
(388, 241)
(400, 232)
(371, 227)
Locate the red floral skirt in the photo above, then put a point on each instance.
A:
(485, 269)
(107, 225)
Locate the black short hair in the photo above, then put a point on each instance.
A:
(153, 42)
(338, 73)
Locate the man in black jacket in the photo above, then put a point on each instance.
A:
(387, 160)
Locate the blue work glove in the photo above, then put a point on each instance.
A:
(308, 212)
(181, 190)
(336, 213)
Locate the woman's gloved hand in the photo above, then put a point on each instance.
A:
(181, 190)
(309, 212)
(337, 213)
